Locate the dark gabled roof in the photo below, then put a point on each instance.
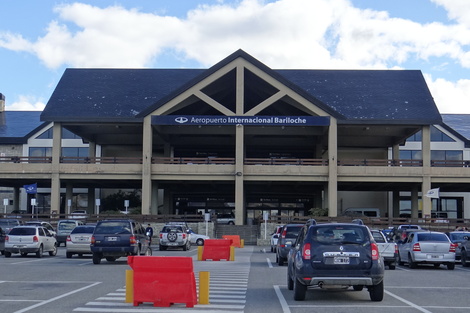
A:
(351, 96)
(384, 96)
(17, 126)
(458, 124)
(111, 94)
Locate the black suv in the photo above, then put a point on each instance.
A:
(335, 255)
(286, 238)
(113, 239)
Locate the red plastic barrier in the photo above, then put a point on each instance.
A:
(216, 249)
(235, 240)
(163, 280)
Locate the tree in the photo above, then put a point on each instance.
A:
(115, 201)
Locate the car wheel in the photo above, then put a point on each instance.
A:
(299, 290)
(172, 236)
(163, 248)
(376, 292)
(24, 254)
(280, 261)
(185, 247)
(7, 254)
(68, 255)
(437, 265)
(358, 287)
(96, 258)
(450, 266)
(464, 260)
(391, 266)
(411, 264)
(200, 242)
(53, 252)
(148, 252)
(272, 249)
(290, 282)
(40, 252)
(231, 223)
(400, 262)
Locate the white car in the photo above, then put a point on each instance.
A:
(30, 239)
(78, 242)
(197, 239)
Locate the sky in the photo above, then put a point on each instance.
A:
(40, 39)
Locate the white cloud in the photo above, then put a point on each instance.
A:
(325, 34)
(450, 97)
(26, 103)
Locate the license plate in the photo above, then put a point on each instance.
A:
(111, 238)
(341, 260)
(20, 246)
(434, 256)
(172, 244)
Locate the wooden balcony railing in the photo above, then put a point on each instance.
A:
(231, 161)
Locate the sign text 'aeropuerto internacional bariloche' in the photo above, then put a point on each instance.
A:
(240, 120)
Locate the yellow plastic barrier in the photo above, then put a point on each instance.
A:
(129, 286)
(204, 279)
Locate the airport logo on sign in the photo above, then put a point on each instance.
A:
(181, 120)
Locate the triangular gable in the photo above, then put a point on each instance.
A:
(240, 85)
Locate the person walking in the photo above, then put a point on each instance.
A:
(149, 233)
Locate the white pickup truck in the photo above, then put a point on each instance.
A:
(387, 249)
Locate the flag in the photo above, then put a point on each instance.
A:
(433, 193)
(33, 188)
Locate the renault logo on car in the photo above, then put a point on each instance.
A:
(181, 120)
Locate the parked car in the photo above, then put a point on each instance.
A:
(388, 250)
(458, 237)
(78, 214)
(79, 240)
(196, 239)
(427, 247)
(225, 218)
(335, 255)
(2, 241)
(64, 227)
(465, 252)
(113, 239)
(275, 238)
(30, 239)
(174, 235)
(8, 223)
(46, 225)
(286, 238)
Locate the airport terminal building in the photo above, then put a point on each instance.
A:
(244, 138)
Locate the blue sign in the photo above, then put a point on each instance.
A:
(218, 120)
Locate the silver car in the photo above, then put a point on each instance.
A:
(427, 247)
(78, 242)
(30, 239)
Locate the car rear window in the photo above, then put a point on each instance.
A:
(83, 230)
(293, 231)
(23, 231)
(432, 237)
(378, 237)
(174, 229)
(67, 225)
(340, 234)
(113, 228)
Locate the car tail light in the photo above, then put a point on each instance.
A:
(132, 240)
(161, 236)
(68, 238)
(396, 248)
(7, 238)
(184, 236)
(284, 233)
(35, 239)
(306, 251)
(92, 240)
(453, 247)
(375, 251)
(416, 247)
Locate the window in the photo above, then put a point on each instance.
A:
(75, 152)
(40, 151)
(447, 155)
(66, 134)
(411, 155)
(416, 137)
(437, 135)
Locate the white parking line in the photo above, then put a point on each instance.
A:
(56, 298)
(270, 265)
(282, 300)
(420, 308)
